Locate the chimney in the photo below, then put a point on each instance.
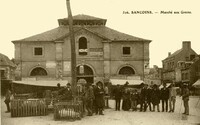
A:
(186, 45)
(169, 53)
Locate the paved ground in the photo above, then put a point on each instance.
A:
(112, 117)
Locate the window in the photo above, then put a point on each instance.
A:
(38, 51)
(38, 71)
(82, 46)
(126, 71)
(183, 76)
(126, 50)
(186, 76)
(3, 76)
(192, 57)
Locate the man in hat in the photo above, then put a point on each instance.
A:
(89, 97)
(143, 97)
(185, 97)
(7, 100)
(118, 96)
(164, 95)
(99, 98)
(172, 97)
(67, 94)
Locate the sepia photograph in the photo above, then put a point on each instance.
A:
(98, 62)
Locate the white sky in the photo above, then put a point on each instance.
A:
(24, 18)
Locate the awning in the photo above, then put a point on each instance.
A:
(197, 84)
(42, 83)
(122, 82)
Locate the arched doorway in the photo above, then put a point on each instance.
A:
(86, 73)
(127, 70)
(38, 71)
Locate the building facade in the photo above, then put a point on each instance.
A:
(101, 52)
(175, 65)
(190, 71)
(154, 76)
(7, 68)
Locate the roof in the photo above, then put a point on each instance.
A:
(84, 17)
(101, 31)
(5, 61)
(174, 54)
(43, 83)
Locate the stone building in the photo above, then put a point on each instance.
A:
(181, 58)
(154, 76)
(190, 71)
(7, 68)
(101, 52)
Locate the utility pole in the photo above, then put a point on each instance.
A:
(73, 48)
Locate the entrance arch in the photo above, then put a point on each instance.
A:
(126, 70)
(85, 72)
(38, 71)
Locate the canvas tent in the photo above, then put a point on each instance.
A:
(197, 84)
(167, 85)
(122, 82)
(42, 83)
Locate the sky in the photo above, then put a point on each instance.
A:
(24, 18)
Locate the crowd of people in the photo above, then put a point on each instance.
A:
(150, 96)
(147, 97)
(91, 95)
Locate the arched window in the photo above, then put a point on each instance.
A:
(126, 71)
(38, 72)
(82, 46)
(84, 70)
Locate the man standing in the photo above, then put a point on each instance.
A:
(99, 98)
(106, 95)
(164, 97)
(185, 97)
(149, 97)
(89, 95)
(67, 94)
(156, 97)
(7, 100)
(143, 98)
(118, 96)
(172, 97)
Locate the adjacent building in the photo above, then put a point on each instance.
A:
(190, 71)
(154, 76)
(7, 68)
(176, 65)
(101, 52)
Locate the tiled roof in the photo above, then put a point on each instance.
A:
(85, 17)
(50, 35)
(113, 34)
(174, 54)
(5, 61)
(101, 31)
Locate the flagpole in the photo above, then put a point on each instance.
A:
(73, 49)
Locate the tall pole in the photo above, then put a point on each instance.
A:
(73, 48)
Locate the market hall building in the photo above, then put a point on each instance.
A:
(101, 52)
